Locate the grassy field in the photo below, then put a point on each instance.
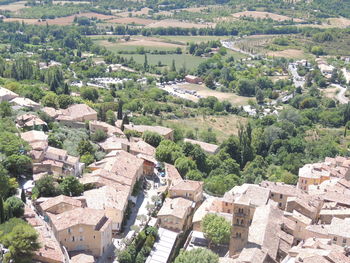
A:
(135, 44)
(160, 43)
(223, 126)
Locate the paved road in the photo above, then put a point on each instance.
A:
(231, 45)
(297, 80)
(341, 94)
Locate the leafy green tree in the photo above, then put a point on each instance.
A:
(5, 109)
(45, 187)
(197, 255)
(194, 175)
(246, 87)
(5, 182)
(98, 136)
(216, 228)
(278, 174)
(127, 255)
(18, 164)
(152, 138)
(255, 170)
(196, 153)
(317, 50)
(209, 82)
(55, 141)
(71, 186)
(16, 205)
(110, 117)
(87, 158)
(22, 242)
(168, 151)
(184, 165)
(64, 101)
(11, 144)
(84, 147)
(89, 93)
(219, 184)
(50, 100)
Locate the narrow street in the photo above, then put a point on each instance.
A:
(144, 198)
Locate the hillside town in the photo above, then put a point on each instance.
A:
(129, 191)
(212, 131)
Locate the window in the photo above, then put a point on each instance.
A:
(237, 221)
(280, 204)
(229, 211)
(344, 240)
(281, 196)
(242, 222)
(69, 230)
(335, 239)
(226, 204)
(94, 237)
(73, 239)
(81, 238)
(80, 229)
(272, 195)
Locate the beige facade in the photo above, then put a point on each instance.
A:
(307, 206)
(175, 214)
(83, 229)
(279, 192)
(107, 128)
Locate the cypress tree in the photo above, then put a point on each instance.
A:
(2, 212)
(23, 196)
(120, 111)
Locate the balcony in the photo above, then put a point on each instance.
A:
(240, 214)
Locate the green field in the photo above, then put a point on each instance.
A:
(159, 43)
(223, 126)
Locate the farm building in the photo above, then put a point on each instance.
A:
(193, 79)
